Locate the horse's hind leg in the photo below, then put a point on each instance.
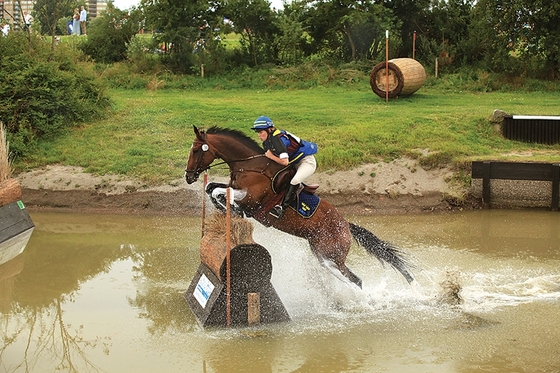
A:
(352, 276)
(334, 266)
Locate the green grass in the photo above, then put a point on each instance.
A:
(149, 133)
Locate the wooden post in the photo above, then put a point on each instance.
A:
(414, 45)
(202, 70)
(228, 258)
(253, 308)
(555, 186)
(205, 182)
(387, 66)
(436, 67)
(486, 184)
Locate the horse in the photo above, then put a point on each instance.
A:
(254, 179)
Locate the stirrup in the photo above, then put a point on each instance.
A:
(277, 211)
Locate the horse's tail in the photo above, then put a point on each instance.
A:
(384, 251)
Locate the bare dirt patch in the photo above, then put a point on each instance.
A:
(399, 186)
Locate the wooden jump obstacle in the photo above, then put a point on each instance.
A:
(487, 171)
(530, 128)
(397, 77)
(16, 225)
(250, 299)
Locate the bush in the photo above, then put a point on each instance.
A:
(42, 95)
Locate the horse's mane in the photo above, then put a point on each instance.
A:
(238, 135)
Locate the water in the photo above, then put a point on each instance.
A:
(104, 293)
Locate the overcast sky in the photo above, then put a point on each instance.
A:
(125, 4)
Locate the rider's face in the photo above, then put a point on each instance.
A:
(262, 135)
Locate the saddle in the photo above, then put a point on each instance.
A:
(281, 180)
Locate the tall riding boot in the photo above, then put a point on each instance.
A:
(278, 210)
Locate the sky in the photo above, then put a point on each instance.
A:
(125, 4)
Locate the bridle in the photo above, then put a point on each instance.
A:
(205, 148)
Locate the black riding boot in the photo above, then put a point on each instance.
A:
(278, 210)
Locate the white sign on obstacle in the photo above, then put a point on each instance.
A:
(203, 290)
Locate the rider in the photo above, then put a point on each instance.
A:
(285, 148)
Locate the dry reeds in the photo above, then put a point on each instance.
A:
(213, 244)
(241, 231)
(5, 167)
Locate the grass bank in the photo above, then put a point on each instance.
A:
(149, 133)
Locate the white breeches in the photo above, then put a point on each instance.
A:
(305, 168)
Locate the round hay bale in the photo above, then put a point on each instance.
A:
(406, 76)
(213, 243)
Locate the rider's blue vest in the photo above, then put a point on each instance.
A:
(297, 148)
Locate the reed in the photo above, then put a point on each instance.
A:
(5, 167)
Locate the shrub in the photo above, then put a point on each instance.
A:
(39, 98)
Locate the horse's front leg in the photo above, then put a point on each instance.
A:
(218, 192)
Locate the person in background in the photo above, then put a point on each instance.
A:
(27, 19)
(285, 148)
(76, 22)
(83, 19)
(5, 27)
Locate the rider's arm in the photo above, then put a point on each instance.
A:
(282, 159)
(277, 150)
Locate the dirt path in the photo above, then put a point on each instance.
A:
(400, 186)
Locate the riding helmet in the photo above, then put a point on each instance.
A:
(262, 123)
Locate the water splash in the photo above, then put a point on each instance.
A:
(474, 283)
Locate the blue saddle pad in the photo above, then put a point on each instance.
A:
(306, 204)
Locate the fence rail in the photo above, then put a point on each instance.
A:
(487, 171)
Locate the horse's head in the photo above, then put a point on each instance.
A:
(200, 157)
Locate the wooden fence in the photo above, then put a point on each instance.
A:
(487, 170)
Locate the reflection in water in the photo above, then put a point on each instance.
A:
(105, 293)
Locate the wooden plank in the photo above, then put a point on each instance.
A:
(513, 171)
(253, 308)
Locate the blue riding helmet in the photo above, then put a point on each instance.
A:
(262, 123)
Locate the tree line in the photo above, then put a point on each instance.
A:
(515, 37)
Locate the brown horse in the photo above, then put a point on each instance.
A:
(253, 176)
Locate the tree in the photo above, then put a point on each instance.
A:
(411, 14)
(49, 12)
(290, 39)
(179, 25)
(255, 22)
(110, 33)
(528, 28)
(446, 32)
(350, 29)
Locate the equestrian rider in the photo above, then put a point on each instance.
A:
(285, 148)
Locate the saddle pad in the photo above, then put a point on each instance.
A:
(306, 204)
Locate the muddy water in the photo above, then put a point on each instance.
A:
(104, 293)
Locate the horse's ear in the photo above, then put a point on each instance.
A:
(197, 132)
